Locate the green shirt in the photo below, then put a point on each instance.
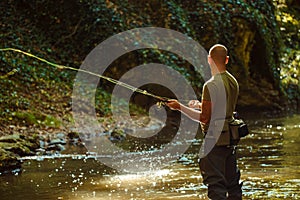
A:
(222, 90)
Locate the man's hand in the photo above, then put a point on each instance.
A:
(173, 104)
(194, 104)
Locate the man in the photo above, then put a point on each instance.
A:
(219, 97)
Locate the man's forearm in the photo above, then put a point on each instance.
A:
(190, 112)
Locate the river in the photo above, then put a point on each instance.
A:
(269, 160)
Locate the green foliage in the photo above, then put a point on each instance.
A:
(51, 121)
(65, 32)
(290, 73)
(102, 102)
(289, 23)
(38, 119)
(27, 118)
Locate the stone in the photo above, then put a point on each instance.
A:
(117, 135)
(61, 136)
(73, 135)
(57, 141)
(8, 161)
(14, 146)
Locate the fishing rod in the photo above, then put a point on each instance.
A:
(114, 81)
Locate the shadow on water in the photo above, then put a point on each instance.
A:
(269, 160)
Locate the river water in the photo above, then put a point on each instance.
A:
(269, 160)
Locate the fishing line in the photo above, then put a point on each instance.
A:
(116, 82)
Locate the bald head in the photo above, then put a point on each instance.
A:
(218, 53)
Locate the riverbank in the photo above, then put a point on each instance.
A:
(17, 142)
(14, 147)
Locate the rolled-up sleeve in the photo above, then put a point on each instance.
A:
(206, 110)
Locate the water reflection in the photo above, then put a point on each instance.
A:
(269, 160)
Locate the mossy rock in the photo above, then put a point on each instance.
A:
(8, 161)
(17, 148)
(12, 138)
(19, 144)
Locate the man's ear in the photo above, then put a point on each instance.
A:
(227, 59)
(209, 59)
